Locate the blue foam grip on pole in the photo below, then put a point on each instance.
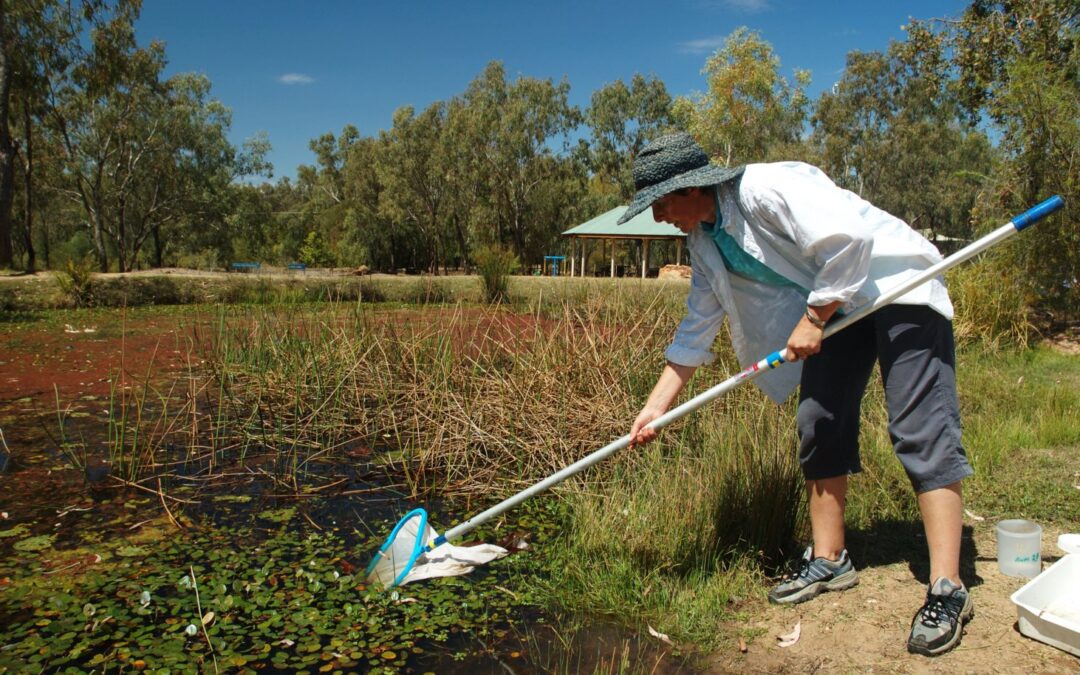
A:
(1038, 212)
(435, 543)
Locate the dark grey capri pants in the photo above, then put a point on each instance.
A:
(914, 346)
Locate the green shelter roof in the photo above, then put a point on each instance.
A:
(640, 226)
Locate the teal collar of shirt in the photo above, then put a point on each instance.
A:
(737, 260)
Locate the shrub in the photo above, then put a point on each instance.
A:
(314, 252)
(9, 299)
(77, 281)
(495, 265)
(368, 290)
(990, 304)
(204, 259)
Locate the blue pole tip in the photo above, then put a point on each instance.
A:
(1038, 212)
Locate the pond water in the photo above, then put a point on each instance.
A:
(212, 567)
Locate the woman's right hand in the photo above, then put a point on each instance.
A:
(672, 380)
(639, 434)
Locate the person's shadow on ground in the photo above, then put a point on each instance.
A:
(893, 541)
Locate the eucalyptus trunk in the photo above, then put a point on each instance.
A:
(97, 235)
(28, 193)
(159, 246)
(7, 147)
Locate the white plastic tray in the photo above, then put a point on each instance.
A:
(1048, 606)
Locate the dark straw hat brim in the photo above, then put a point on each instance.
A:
(700, 177)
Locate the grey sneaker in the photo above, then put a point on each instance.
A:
(937, 626)
(813, 576)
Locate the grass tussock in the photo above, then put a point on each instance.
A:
(991, 309)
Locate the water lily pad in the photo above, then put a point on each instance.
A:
(279, 515)
(130, 551)
(16, 531)
(38, 543)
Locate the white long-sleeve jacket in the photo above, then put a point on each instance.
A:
(794, 219)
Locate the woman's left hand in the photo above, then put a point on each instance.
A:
(805, 340)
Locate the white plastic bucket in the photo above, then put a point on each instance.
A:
(1019, 548)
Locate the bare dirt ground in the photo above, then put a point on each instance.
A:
(864, 630)
(1065, 339)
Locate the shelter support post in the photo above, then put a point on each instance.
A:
(612, 258)
(678, 251)
(644, 257)
(573, 258)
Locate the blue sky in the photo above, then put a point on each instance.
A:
(296, 70)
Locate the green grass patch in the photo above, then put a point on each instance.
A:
(1022, 432)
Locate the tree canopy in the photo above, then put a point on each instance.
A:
(969, 119)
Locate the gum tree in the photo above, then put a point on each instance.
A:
(38, 45)
(892, 130)
(147, 159)
(519, 146)
(1018, 68)
(622, 120)
(415, 181)
(750, 112)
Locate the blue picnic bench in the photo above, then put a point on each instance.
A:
(297, 266)
(245, 266)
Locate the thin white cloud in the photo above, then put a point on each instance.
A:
(296, 78)
(749, 5)
(709, 44)
(745, 6)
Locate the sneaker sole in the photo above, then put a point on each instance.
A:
(843, 582)
(966, 615)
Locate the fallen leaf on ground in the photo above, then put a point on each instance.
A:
(974, 517)
(792, 637)
(660, 636)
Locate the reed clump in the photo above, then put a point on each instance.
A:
(479, 400)
(991, 307)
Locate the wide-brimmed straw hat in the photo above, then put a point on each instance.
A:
(670, 163)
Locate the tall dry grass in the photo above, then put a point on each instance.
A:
(991, 307)
(478, 399)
